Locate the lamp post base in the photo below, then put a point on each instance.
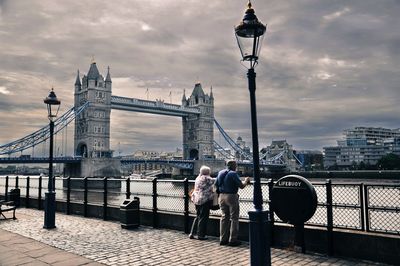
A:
(50, 210)
(260, 250)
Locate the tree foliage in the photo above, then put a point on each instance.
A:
(390, 161)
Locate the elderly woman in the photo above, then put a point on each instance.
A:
(202, 198)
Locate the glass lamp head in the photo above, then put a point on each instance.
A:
(249, 35)
(53, 105)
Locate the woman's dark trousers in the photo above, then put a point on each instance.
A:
(201, 220)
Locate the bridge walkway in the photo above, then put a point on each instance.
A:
(88, 241)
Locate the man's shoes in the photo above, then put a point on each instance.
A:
(191, 236)
(234, 243)
(202, 238)
(223, 243)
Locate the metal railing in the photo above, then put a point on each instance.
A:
(361, 207)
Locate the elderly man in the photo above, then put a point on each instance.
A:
(228, 183)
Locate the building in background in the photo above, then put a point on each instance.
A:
(310, 159)
(242, 144)
(362, 145)
(140, 168)
(286, 152)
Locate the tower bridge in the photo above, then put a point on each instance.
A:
(92, 126)
(93, 102)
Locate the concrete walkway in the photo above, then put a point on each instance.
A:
(86, 241)
(18, 250)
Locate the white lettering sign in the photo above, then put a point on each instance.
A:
(289, 183)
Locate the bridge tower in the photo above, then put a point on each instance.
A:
(198, 129)
(92, 126)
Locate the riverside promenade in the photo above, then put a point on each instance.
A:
(88, 241)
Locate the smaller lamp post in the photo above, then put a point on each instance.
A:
(53, 105)
(249, 35)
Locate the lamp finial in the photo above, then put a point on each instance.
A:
(249, 5)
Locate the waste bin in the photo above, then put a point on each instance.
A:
(130, 213)
(14, 196)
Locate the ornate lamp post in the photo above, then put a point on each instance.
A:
(249, 34)
(53, 105)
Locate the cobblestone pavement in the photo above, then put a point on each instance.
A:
(105, 242)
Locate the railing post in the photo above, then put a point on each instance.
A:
(365, 203)
(128, 188)
(40, 193)
(329, 215)
(271, 211)
(85, 196)
(16, 181)
(105, 198)
(362, 205)
(155, 215)
(68, 195)
(186, 202)
(27, 191)
(6, 194)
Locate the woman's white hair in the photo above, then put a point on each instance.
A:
(205, 170)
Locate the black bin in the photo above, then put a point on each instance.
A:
(14, 196)
(130, 213)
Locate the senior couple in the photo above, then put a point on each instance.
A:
(228, 183)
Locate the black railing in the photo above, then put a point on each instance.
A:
(361, 207)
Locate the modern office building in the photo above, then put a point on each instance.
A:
(362, 144)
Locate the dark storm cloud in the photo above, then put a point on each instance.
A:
(325, 65)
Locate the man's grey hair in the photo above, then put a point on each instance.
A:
(205, 170)
(231, 165)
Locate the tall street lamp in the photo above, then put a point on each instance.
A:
(249, 34)
(53, 105)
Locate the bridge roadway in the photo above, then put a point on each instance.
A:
(29, 160)
(152, 107)
(88, 241)
(181, 164)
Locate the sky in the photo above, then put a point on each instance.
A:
(325, 66)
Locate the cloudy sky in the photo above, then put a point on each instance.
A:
(325, 65)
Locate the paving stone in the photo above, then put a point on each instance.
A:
(105, 242)
(21, 259)
(34, 263)
(72, 261)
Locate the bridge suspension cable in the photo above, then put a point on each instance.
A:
(232, 143)
(276, 159)
(42, 134)
(222, 151)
